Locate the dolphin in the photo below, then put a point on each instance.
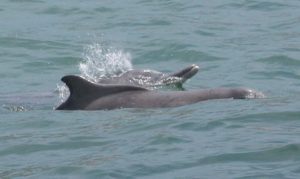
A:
(151, 78)
(85, 95)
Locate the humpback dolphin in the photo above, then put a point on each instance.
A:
(150, 78)
(85, 95)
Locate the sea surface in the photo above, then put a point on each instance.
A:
(250, 43)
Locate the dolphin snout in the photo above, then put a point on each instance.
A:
(246, 93)
(187, 72)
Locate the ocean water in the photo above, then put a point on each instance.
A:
(247, 43)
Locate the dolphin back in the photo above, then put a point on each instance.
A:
(83, 92)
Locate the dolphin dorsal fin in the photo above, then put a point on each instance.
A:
(80, 87)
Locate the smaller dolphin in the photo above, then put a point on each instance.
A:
(150, 78)
(85, 95)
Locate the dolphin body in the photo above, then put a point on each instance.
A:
(85, 95)
(150, 78)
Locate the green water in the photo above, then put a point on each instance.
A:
(236, 43)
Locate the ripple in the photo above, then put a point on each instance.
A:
(284, 153)
(33, 43)
(193, 126)
(13, 108)
(266, 6)
(176, 51)
(280, 60)
(104, 9)
(57, 10)
(205, 33)
(27, 1)
(255, 5)
(273, 116)
(277, 67)
(166, 139)
(276, 75)
(33, 148)
(289, 152)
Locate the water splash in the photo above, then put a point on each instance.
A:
(253, 94)
(63, 92)
(102, 62)
(14, 108)
(98, 62)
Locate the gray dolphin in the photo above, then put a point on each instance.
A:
(85, 95)
(150, 78)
